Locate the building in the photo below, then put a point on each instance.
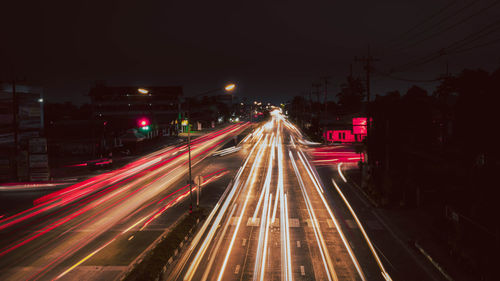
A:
(23, 147)
(118, 109)
(346, 133)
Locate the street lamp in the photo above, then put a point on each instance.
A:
(143, 91)
(228, 88)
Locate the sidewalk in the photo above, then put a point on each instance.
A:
(420, 228)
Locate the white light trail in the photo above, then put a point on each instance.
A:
(249, 182)
(340, 172)
(372, 249)
(327, 263)
(327, 207)
(199, 255)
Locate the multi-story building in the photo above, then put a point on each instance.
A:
(119, 109)
(23, 147)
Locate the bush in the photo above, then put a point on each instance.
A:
(152, 265)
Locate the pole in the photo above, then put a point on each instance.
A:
(189, 156)
(198, 190)
(15, 108)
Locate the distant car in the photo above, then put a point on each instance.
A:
(101, 163)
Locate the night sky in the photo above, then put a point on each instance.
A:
(273, 50)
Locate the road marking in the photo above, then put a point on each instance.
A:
(244, 242)
(131, 237)
(252, 222)
(276, 223)
(330, 223)
(233, 221)
(293, 223)
(351, 224)
(298, 244)
(237, 270)
(302, 270)
(375, 225)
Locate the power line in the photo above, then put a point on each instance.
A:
(451, 26)
(476, 35)
(454, 47)
(367, 60)
(426, 20)
(406, 79)
(479, 46)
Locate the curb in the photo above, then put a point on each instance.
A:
(141, 256)
(177, 251)
(387, 222)
(436, 265)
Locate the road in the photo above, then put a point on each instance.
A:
(92, 220)
(275, 222)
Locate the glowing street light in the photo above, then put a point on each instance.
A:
(230, 87)
(143, 91)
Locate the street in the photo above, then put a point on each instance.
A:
(91, 220)
(275, 222)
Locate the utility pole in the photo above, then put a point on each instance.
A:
(316, 87)
(15, 110)
(326, 79)
(367, 61)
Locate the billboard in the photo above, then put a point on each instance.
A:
(359, 126)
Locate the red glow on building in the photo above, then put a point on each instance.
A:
(357, 134)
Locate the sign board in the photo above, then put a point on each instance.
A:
(30, 124)
(7, 138)
(38, 145)
(39, 176)
(25, 136)
(198, 180)
(359, 126)
(29, 112)
(39, 161)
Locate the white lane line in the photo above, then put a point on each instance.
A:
(327, 263)
(244, 242)
(298, 244)
(237, 270)
(315, 181)
(302, 271)
(367, 239)
(250, 183)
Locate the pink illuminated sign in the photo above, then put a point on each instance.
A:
(359, 126)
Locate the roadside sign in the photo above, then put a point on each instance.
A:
(39, 161)
(38, 145)
(198, 180)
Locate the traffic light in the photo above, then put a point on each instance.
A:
(143, 124)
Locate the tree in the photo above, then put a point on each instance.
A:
(351, 94)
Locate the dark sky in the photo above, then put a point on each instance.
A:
(272, 49)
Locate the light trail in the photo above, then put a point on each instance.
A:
(327, 207)
(286, 262)
(385, 274)
(146, 175)
(250, 183)
(327, 263)
(340, 172)
(199, 255)
(264, 222)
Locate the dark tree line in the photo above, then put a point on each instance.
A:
(440, 152)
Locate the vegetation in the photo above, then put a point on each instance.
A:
(152, 265)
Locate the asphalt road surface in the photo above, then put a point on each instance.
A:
(94, 230)
(275, 222)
